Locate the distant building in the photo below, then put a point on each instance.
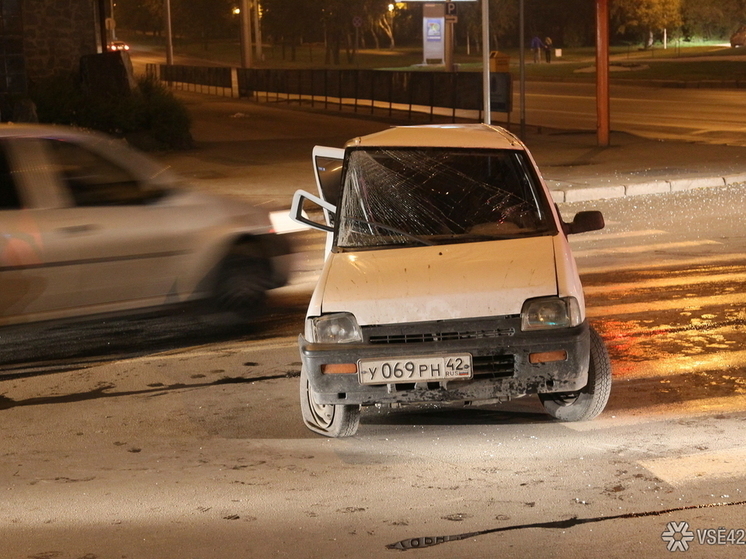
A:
(42, 38)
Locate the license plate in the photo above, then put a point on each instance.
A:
(414, 369)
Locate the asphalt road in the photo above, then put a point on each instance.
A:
(195, 448)
(701, 115)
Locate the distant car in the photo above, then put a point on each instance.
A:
(738, 39)
(91, 226)
(448, 278)
(118, 45)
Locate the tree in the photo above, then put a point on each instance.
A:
(647, 16)
(712, 18)
(140, 15)
(291, 21)
(203, 19)
(380, 18)
(337, 16)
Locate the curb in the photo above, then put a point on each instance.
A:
(585, 194)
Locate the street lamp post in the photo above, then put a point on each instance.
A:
(169, 38)
(113, 21)
(486, 61)
(602, 72)
(245, 14)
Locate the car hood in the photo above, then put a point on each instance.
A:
(439, 282)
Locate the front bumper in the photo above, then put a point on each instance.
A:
(514, 376)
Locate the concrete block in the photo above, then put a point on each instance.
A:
(735, 179)
(594, 193)
(654, 187)
(558, 196)
(678, 185)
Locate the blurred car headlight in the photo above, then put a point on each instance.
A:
(336, 328)
(550, 312)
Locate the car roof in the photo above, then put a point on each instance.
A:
(441, 135)
(115, 149)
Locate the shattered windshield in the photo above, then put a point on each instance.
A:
(427, 196)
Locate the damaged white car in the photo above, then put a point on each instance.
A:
(448, 278)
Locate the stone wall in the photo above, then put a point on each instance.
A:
(12, 60)
(56, 33)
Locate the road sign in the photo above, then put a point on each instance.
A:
(451, 9)
(451, 19)
(357, 21)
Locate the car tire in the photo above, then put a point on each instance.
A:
(330, 420)
(242, 284)
(590, 401)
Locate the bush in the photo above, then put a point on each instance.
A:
(149, 116)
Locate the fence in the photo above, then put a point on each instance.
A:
(217, 80)
(457, 93)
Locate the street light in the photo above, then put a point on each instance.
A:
(169, 39)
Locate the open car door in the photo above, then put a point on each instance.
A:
(327, 165)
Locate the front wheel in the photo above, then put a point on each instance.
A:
(242, 285)
(591, 400)
(330, 420)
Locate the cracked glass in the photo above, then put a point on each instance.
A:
(432, 196)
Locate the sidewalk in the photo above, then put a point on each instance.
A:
(262, 152)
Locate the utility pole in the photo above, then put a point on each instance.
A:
(602, 72)
(246, 61)
(522, 68)
(169, 38)
(258, 30)
(486, 61)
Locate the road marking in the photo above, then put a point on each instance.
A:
(724, 259)
(719, 361)
(642, 248)
(665, 282)
(597, 237)
(684, 304)
(730, 463)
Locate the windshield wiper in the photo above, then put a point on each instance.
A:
(392, 230)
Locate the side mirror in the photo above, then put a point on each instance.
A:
(585, 221)
(297, 213)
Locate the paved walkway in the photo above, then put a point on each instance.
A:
(262, 152)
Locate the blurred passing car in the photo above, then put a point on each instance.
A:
(89, 225)
(118, 45)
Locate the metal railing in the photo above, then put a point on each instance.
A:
(215, 80)
(454, 94)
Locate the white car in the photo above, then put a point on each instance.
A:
(90, 226)
(448, 278)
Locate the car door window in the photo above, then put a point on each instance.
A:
(95, 181)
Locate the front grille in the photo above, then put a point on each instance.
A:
(495, 366)
(442, 330)
(405, 338)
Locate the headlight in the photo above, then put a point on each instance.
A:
(336, 328)
(550, 312)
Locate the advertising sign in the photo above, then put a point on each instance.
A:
(434, 29)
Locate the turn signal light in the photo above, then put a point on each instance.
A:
(339, 368)
(547, 356)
